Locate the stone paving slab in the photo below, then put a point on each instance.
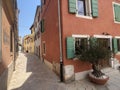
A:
(112, 84)
(32, 74)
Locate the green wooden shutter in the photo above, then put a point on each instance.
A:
(115, 47)
(72, 6)
(70, 47)
(42, 26)
(94, 4)
(117, 12)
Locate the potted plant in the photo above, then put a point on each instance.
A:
(93, 54)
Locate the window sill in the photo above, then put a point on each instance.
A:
(86, 17)
(118, 53)
(75, 59)
(116, 22)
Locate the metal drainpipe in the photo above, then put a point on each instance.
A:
(60, 41)
(0, 31)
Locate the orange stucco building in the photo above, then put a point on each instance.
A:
(67, 23)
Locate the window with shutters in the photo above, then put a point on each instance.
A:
(83, 8)
(75, 45)
(116, 10)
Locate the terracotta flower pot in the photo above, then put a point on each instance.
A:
(100, 81)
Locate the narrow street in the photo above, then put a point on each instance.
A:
(32, 74)
(80, 38)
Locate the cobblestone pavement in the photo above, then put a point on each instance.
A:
(32, 74)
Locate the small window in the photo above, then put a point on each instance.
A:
(39, 17)
(11, 41)
(44, 48)
(44, 1)
(84, 7)
(42, 25)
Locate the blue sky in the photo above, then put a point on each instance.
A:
(26, 16)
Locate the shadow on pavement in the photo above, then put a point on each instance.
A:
(41, 78)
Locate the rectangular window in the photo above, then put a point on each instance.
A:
(118, 44)
(42, 25)
(116, 9)
(75, 45)
(39, 17)
(44, 1)
(80, 45)
(44, 48)
(81, 7)
(104, 42)
(84, 7)
(11, 41)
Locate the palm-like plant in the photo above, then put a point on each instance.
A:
(94, 54)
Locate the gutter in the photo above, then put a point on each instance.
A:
(60, 41)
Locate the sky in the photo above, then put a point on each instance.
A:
(26, 16)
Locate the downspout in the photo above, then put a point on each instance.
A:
(0, 31)
(60, 42)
